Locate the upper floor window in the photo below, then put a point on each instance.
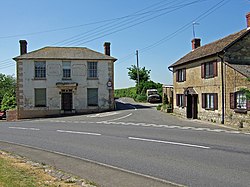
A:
(209, 70)
(40, 69)
(181, 75)
(210, 101)
(238, 100)
(66, 70)
(92, 69)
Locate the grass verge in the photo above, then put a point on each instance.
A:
(16, 171)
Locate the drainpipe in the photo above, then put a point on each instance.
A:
(222, 89)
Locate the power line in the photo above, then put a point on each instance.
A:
(105, 26)
(124, 25)
(186, 26)
(4, 67)
(70, 27)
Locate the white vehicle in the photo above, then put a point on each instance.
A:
(151, 92)
(153, 96)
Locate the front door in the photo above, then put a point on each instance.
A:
(189, 106)
(192, 102)
(67, 101)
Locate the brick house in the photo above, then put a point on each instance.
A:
(208, 80)
(63, 80)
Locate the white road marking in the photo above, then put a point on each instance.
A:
(100, 115)
(23, 128)
(77, 132)
(166, 142)
(113, 122)
(119, 118)
(233, 132)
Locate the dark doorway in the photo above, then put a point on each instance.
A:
(189, 106)
(192, 102)
(67, 101)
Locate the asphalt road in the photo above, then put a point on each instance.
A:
(140, 139)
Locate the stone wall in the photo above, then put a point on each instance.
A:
(11, 115)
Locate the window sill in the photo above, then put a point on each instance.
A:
(240, 110)
(66, 79)
(38, 78)
(209, 77)
(92, 78)
(211, 109)
(40, 108)
(180, 81)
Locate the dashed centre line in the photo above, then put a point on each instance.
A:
(167, 142)
(79, 132)
(23, 128)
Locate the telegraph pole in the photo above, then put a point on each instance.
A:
(137, 63)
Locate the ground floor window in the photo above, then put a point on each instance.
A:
(40, 97)
(92, 96)
(238, 100)
(241, 100)
(210, 101)
(180, 100)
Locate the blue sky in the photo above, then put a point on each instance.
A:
(129, 26)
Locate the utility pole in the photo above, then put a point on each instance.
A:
(137, 63)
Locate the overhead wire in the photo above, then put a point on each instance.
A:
(183, 28)
(128, 24)
(159, 41)
(130, 16)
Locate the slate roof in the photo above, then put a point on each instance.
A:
(244, 69)
(211, 48)
(65, 53)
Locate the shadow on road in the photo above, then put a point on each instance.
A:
(129, 106)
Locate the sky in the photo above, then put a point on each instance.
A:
(161, 30)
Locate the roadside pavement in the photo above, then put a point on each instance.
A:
(100, 174)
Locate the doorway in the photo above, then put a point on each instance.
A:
(192, 106)
(66, 98)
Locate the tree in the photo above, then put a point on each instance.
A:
(8, 102)
(144, 74)
(7, 90)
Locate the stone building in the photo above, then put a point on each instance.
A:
(208, 81)
(63, 80)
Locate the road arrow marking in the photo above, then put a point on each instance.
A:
(166, 142)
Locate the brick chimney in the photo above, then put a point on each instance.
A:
(196, 42)
(248, 19)
(23, 47)
(107, 48)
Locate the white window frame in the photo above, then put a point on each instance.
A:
(92, 70)
(209, 101)
(40, 69)
(66, 66)
(241, 100)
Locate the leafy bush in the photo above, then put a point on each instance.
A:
(9, 101)
(141, 98)
(159, 107)
(126, 92)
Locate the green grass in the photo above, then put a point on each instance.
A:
(11, 176)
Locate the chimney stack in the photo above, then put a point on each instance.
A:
(23, 47)
(107, 48)
(196, 42)
(248, 19)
